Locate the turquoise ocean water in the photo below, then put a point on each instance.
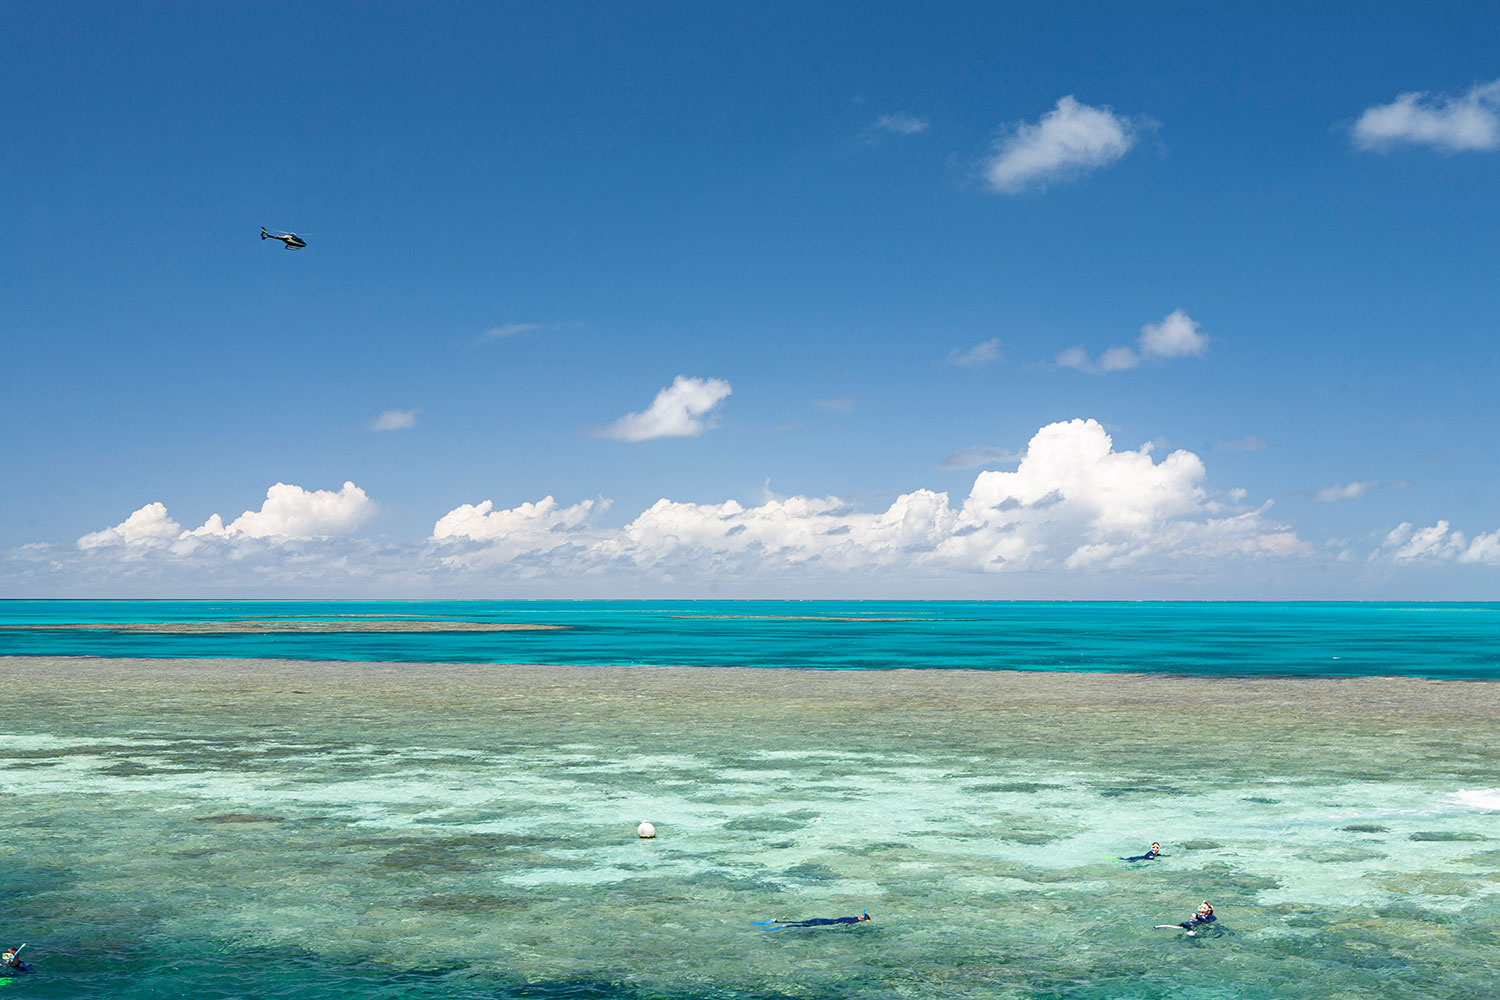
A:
(1455, 641)
(364, 814)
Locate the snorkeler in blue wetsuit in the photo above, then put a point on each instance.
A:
(816, 922)
(1150, 855)
(1205, 915)
(9, 962)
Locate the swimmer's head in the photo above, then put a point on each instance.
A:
(1155, 846)
(1205, 907)
(864, 914)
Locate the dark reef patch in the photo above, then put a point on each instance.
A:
(240, 818)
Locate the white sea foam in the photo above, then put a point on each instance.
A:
(45, 741)
(1477, 798)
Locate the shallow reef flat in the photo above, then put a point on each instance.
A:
(207, 827)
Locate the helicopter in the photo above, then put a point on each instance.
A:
(292, 240)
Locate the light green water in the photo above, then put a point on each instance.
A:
(235, 828)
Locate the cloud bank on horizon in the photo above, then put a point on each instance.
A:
(1073, 504)
(1073, 507)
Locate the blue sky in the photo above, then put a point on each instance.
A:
(869, 246)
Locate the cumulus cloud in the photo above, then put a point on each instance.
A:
(481, 522)
(289, 512)
(1176, 336)
(292, 512)
(1451, 124)
(982, 353)
(1069, 140)
(1483, 549)
(1073, 503)
(1438, 543)
(531, 528)
(682, 409)
(900, 123)
(782, 535)
(150, 524)
(1074, 507)
(395, 420)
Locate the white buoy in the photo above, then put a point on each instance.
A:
(645, 831)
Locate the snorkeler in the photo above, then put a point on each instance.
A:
(9, 959)
(815, 922)
(1150, 855)
(1205, 915)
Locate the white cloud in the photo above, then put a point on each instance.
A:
(1404, 544)
(682, 409)
(150, 524)
(781, 535)
(1118, 359)
(1452, 124)
(531, 528)
(1072, 504)
(981, 353)
(900, 123)
(481, 522)
(973, 458)
(1349, 491)
(1176, 336)
(395, 420)
(1075, 357)
(1073, 508)
(289, 512)
(1437, 543)
(1483, 549)
(1071, 139)
(292, 512)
